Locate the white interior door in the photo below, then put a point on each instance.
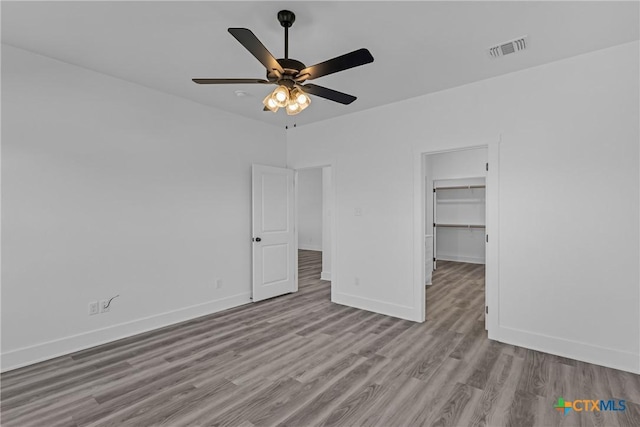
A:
(274, 248)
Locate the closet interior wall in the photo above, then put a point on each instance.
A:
(456, 208)
(459, 220)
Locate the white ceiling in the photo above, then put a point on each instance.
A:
(419, 47)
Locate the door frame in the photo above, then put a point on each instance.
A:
(492, 254)
(333, 234)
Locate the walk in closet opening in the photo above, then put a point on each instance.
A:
(314, 206)
(455, 237)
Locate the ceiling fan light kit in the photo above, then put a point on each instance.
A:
(293, 99)
(290, 74)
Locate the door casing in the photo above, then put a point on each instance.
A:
(492, 230)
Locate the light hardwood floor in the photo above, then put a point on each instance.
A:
(300, 360)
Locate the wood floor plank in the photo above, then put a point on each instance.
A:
(535, 378)
(321, 405)
(427, 364)
(360, 401)
(63, 413)
(494, 385)
(437, 388)
(308, 367)
(211, 408)
(302, 360)
(484, 366)
(393, 392)
(454, 406)
(630, 417)
(310, 390)
(403, 410)
(523, 408)
(215, 390)
(49, 388)
(277, 394)
(499, 414)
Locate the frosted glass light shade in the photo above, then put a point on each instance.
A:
(271, 103)
(293, 108)
(281, 96)
(301, 98)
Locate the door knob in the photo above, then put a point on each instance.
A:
(257, 239)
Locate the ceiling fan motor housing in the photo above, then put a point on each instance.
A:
(286, 18)
(291, 69)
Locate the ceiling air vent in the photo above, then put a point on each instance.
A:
(506, 48)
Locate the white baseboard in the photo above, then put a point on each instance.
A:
(602, 356)
(458, 258)
(325, 275)
(310, 248)
(25, 356)
(393, 310)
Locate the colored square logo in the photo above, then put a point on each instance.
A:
(563, 406)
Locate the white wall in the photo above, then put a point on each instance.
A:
(459, 164)
(112, 188)
(327, 207)
(568, 197)
(309, 193)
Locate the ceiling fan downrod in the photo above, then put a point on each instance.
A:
(286, 19)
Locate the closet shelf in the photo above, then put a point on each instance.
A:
(459, 187)
(459, 225)
(440, 201)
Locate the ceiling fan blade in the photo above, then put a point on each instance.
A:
(257, 49)
(339, 63)
(330, 94)
(229, 81)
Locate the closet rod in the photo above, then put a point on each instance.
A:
(459, 225)
(459, 187)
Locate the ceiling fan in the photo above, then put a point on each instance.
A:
(289, 74)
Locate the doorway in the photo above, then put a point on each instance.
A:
(455, 213)
(313, 226)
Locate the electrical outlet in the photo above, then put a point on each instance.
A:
(358, 211)
(356, 281)
(93, 308)
(104, 306)
(218, 283)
